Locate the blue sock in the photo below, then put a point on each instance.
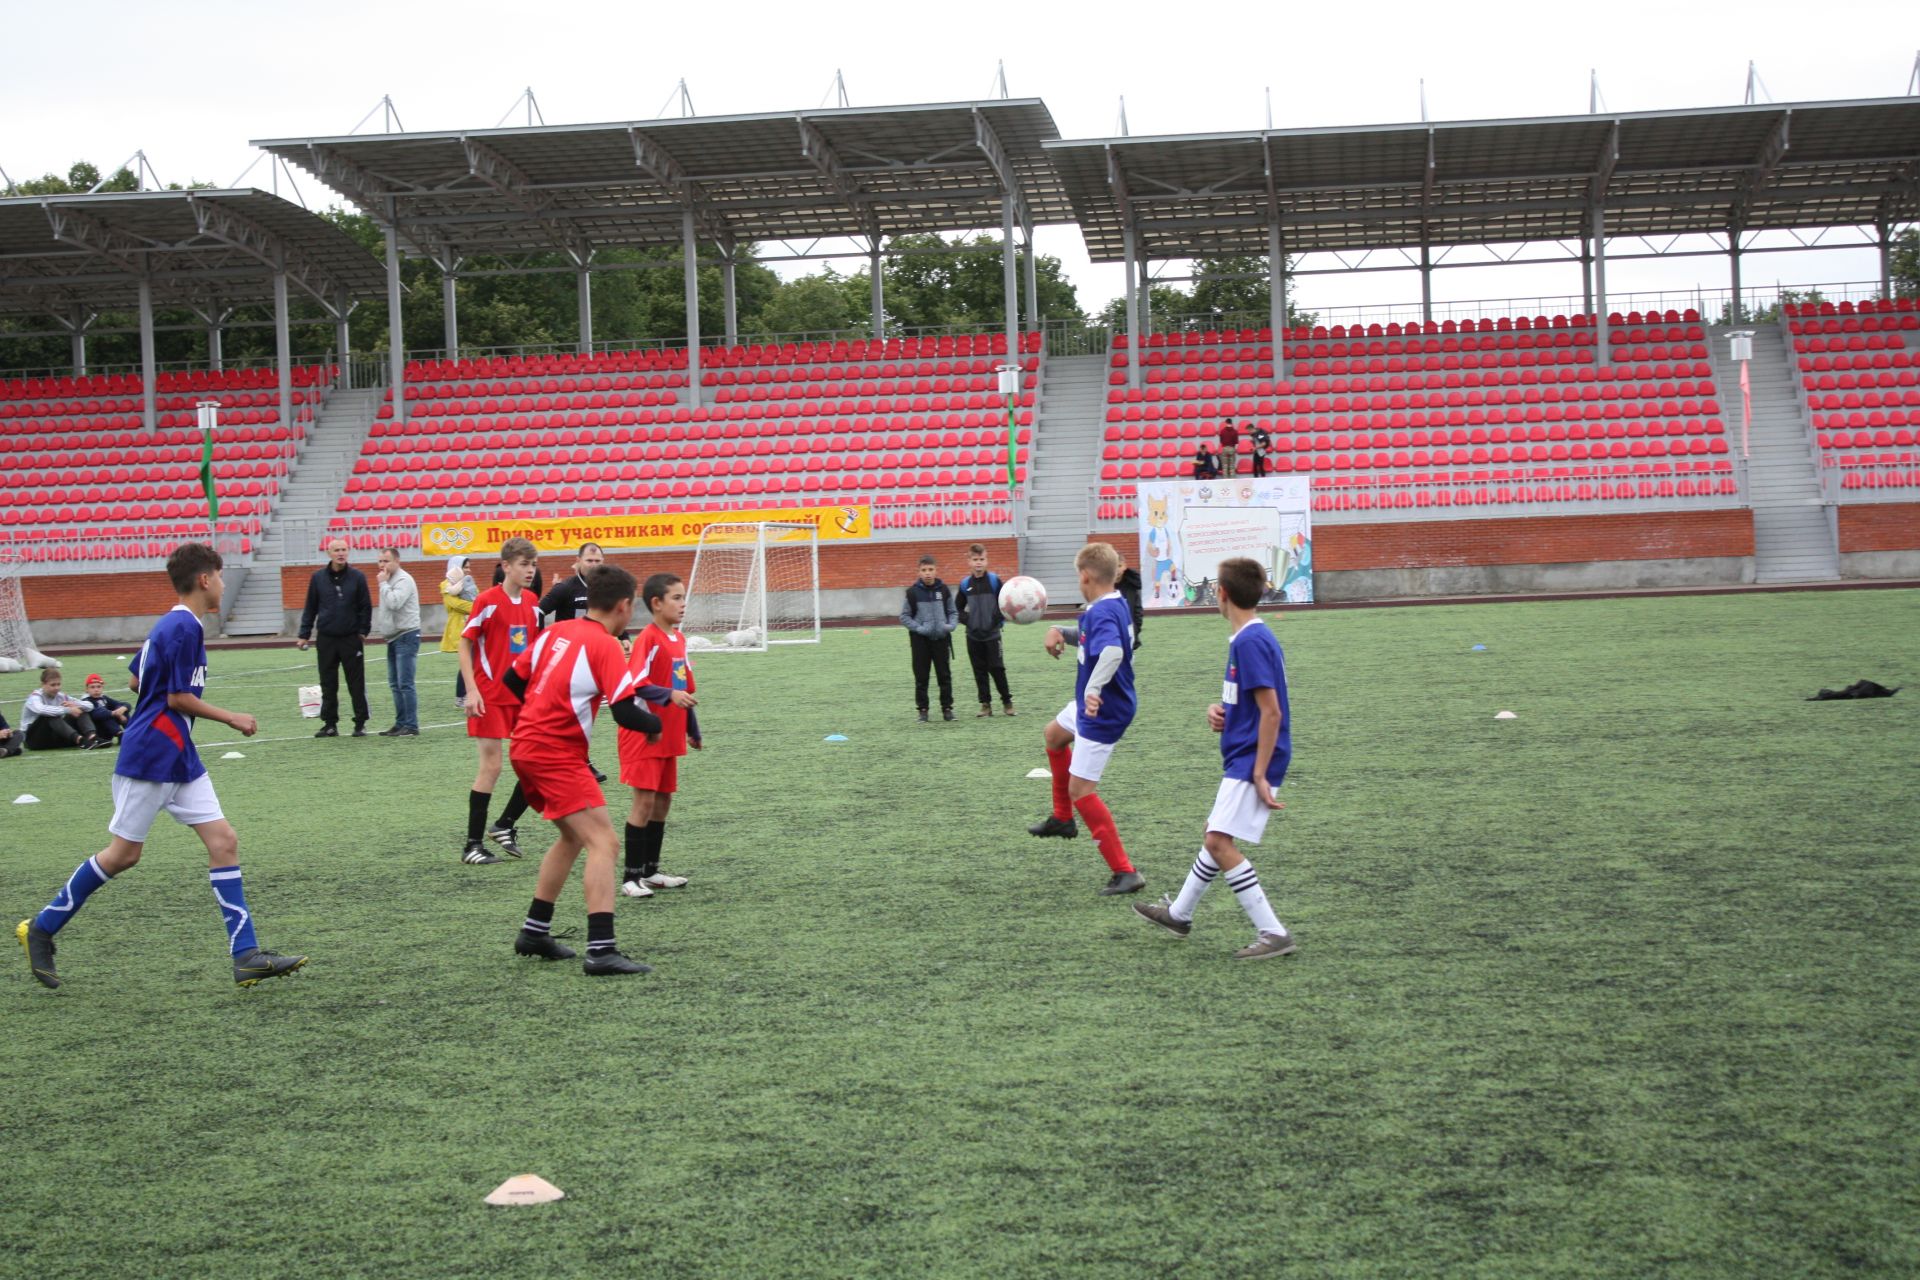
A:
(232, 897)
(79, 887)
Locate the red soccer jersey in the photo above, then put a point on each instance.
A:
(660, 659)
(500, 629)
(571, 669)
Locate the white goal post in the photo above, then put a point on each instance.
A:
(753, 584)
(17, 651)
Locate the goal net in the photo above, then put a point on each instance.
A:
(17, 651)
(754, 584)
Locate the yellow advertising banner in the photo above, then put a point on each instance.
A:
(633, 531)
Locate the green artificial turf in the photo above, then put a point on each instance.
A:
(1624, 986)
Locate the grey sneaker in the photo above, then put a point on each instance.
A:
(1123, 882)
(1267, 946)
(1161, 913)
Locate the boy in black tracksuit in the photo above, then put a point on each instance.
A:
(978, 601)
(929, 617)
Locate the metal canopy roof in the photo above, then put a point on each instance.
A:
(839, 172)
(1788, 165)
(200, 249)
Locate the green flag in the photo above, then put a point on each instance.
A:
(206, 477)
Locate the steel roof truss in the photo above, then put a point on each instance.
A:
(505, 177)
(989, 143)
(255, 241)
(826, 161)
(1772, 152)
(123, 249)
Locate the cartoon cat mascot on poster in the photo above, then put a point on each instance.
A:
(1160, 549)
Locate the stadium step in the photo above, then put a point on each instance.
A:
(1066, 459)
(308, 500)
(1793, 532)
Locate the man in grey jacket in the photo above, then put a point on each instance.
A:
(930, 616)
(397, 618)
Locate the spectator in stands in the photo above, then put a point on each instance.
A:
(1205, 465)
(568, 599)
(339, 617)
(12, 743)
(52, 720)
(109, 713)
(1262, 441)
(397, 618)
(1229, 448)
(456, 593)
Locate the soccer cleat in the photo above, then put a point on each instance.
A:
(1267, 946)
(476, 855)
(505, 838)
(1161, 913)
(1065, 828)
(603, 963)
(541, 945)
(39, 948)
(636, 887)
(661, 880)
(327, 731)
(1123, 882)
(260, 963)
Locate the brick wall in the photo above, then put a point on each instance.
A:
(1678, 535)
(843, 566)
(1880, 526)
(133, 594)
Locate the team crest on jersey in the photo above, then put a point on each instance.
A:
(516, 639)
(680, 673)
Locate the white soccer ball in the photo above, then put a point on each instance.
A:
(1022, 600)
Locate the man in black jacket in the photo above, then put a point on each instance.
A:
(568, 599)
(338, 616)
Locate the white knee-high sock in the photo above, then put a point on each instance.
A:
(1204, 870)
(1245, 883)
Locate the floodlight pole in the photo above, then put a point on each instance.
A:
(449, 314)
(396, 334)
(690, 273)
(148, 375)
(282, 348)
(1009, 281)
(1740, 348)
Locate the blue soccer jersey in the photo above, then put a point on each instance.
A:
(158, 743)
(1254, 661)
(1106, 622)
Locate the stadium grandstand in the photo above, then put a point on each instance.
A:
(1578, 446)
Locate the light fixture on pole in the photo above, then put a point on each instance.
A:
(1740, 349)
(1009, 375)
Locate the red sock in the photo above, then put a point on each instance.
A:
(1058, 762)
(1106, 836)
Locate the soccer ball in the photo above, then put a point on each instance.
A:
(1023, 599)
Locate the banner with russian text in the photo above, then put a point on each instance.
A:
(640, 529)
(1187, 527)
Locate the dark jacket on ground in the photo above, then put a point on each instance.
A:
(338, 604)
(978, 603)
(929, 610)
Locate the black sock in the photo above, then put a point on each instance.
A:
(477, 802)
(539, 917)
(636, 853)
(599, 932)
(516, 805)
(656, 835)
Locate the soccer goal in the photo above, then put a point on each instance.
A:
(17, 651)
(753, 585)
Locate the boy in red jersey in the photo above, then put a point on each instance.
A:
(563, 679)
(500, 629)
(651, 765)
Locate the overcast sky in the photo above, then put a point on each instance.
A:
(190, 82)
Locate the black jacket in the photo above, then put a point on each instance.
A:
(567, 600)
(978, 601)
(338, 604)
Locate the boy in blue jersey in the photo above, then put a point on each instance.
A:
(1256, 744)
(158, 769)
(1081, 739)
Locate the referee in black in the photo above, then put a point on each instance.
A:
(568, 599)
(338, 617)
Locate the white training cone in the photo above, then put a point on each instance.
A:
(28, 800)
(1505, 715)
(1039, 773)
(233, 755)
(525, 1188)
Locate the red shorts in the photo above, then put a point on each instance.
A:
(651, 773)
(557, 788)
(495, 722)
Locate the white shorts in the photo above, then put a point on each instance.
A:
(137, 802)
(1237, 811)
(1089, 757)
